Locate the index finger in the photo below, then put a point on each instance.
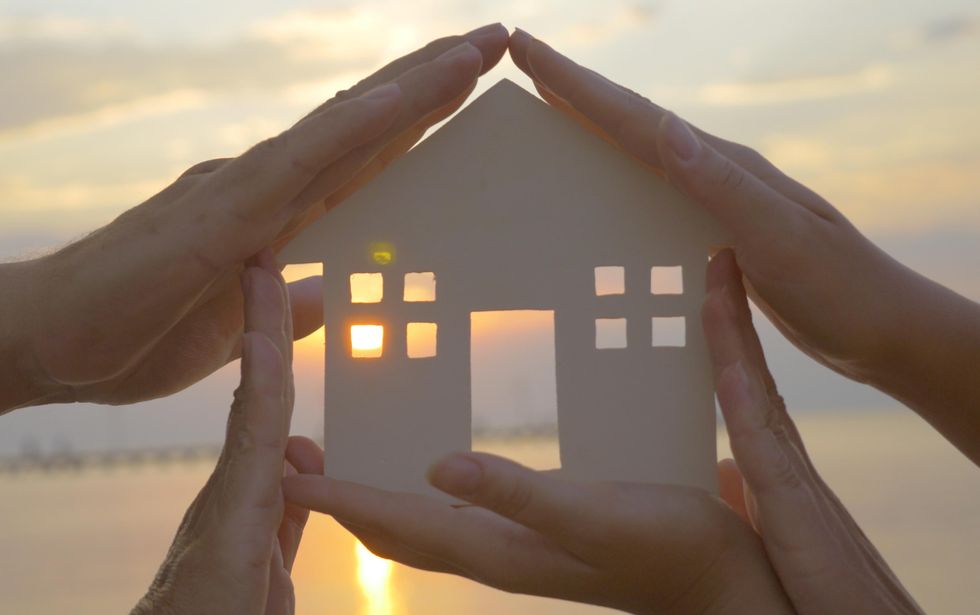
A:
(644, 129)
(252, 457)
(470, 541)
(548, 505)
(487, 39)
(629, 119)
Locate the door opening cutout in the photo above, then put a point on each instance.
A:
(513, 385)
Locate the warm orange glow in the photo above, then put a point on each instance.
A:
(666, 280)
(291, 273)
(420, 339)
(374, 578)
(420, 286)
(610, 281)
(366, 341)
(366, 287)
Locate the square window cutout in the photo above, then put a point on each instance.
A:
(609, 281)
(669, 331)
(420, 286)
(420, 339)
(610, 333)
(366, 341)
(666, 281)
(366, 287)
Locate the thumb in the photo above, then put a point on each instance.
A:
(258, 424)
(741, 201)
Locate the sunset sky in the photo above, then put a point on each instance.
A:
(875, 105)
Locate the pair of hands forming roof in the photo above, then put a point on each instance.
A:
(160, 298)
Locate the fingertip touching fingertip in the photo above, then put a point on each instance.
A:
(490, 28)
(488, 34)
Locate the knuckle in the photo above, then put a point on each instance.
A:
(280, 147)
(731, 177)
(268, 148)
(747, 155)
(342, 95)
(203, 167)
(785, 474)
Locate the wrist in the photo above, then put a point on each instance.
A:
(22, 381)
(929, 361)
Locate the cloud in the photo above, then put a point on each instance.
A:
(951, 28)
(59, 71)
(781, 91)
(55, 27)
(613, 22)
(62, 72)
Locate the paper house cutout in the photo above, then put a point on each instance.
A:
(513, 206)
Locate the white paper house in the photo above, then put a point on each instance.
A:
(511, 205)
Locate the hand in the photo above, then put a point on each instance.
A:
(825, 286)
(150, 304)
(236, 545)
(825, 562)
(639, 548)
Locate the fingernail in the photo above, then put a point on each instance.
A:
(681, 138)
(382, 92)
(483, 31)
(456, 475)
(524, 32)
(457, 52)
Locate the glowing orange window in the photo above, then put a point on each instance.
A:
(366, 341)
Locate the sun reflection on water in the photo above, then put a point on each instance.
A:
(374, 579)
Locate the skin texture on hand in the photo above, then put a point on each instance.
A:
(824, 561)
(150, 303)
(825, 286)
(236, 545)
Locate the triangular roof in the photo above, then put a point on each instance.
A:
(507, 171)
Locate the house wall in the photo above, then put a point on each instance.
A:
(386, 419)
(635, 413)
(640, 413)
